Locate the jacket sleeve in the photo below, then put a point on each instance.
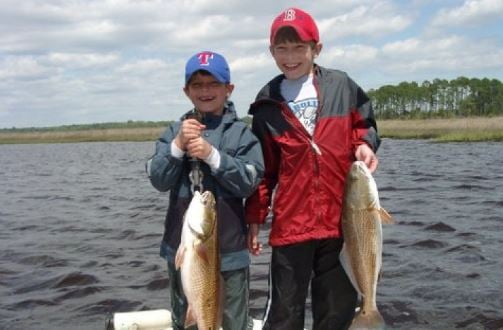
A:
(362, 118)
(162, 168)
(240, 173)
(257, 205)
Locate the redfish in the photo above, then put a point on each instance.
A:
(198, 259)
(361, 255)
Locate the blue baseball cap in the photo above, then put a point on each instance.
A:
(211, 62)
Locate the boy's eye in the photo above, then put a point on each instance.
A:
(297, 48)
(210, 85)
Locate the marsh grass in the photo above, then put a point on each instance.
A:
(470, 129)
(93, 135)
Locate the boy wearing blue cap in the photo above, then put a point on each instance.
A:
(230, 159)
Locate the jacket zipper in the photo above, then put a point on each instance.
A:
(317, 152)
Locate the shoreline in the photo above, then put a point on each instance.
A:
(469, 129)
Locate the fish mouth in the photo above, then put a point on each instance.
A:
(360, 167)
(359, 164)
(204, 229)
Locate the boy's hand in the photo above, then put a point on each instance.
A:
(190, 129)
(254, 245)
(199, 148)
(365, 154)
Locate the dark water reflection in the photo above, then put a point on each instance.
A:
(81, 225)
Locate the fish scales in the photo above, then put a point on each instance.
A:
(364, 241)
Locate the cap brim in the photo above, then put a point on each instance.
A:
(300, 32)
(214, 74)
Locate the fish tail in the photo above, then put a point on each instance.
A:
(368, 319)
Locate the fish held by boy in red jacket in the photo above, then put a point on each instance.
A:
(361, 255)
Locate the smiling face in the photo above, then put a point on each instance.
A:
(293, 56)
(207, 93)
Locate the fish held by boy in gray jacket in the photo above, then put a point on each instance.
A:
(198, 259)
(361, 255)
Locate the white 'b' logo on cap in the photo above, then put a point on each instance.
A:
(289, 15)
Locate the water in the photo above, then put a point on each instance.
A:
(81, 226)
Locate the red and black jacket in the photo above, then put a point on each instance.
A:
(308, 172)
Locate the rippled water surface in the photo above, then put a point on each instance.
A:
(81, 225)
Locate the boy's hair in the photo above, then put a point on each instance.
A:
(303, 24)
(201, 72)
(289, 34)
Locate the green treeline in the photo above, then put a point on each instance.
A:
(85, 127)
(439, 98)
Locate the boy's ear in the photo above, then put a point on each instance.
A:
(186, 90)
(317, 49)
(230, 88)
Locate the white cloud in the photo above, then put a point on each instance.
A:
(349, 57)
(377, 19)
(418, 47)
(440, 55)
(22, 68)
(206, 27)
(77, 60)
(142, 67)
(250, 63)
(471, 12)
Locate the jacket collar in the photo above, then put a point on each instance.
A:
(228, 116)
(271, 92)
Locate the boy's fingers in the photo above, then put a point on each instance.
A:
(253, 245)
(373, 164)
(194, 124)
(258, 249)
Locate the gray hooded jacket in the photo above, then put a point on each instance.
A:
(241, 169)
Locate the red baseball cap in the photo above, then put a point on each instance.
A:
(298, 19)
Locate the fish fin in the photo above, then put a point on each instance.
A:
(202, 252)
(190, 318)
(386, 218)
(179, 257)
(346, 264)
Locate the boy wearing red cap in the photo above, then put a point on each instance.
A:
(230, 165)
(312, 122)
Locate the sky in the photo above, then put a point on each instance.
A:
(65, 62)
